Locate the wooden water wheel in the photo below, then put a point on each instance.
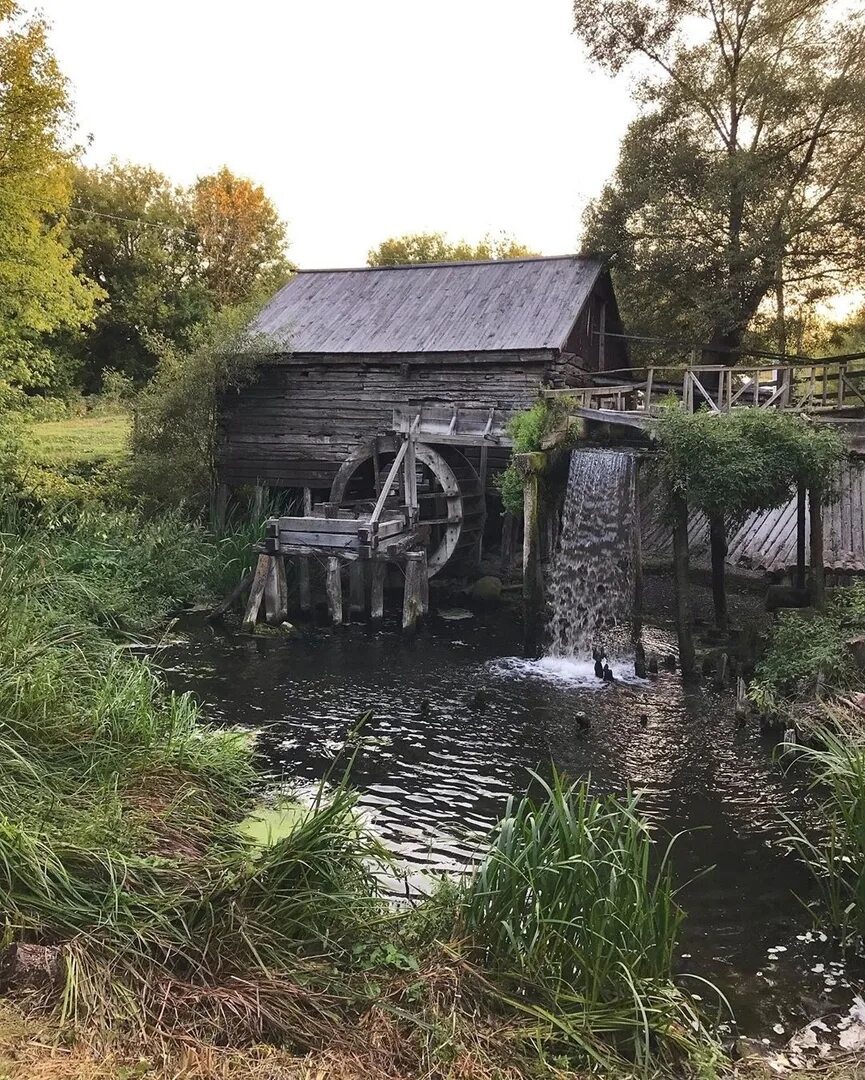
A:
(451, 504)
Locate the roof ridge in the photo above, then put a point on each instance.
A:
(433, 265)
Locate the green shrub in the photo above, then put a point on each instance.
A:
(528, 430)
(807, 648)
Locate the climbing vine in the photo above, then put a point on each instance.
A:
(746, 460)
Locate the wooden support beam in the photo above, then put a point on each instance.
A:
(357, 587)
(376, 590)
(424, 584)
(235, 594)
(258, 496)
(637, 608)
(412, 604)
(818, 571)
(482, 476)
(271, 594)
(533, 584)
(303, 580)
(682, 588)
(256, 592)
(333, 588)
(509, 530)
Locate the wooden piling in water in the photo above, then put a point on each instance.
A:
(412, 604)
(533, 585)
(376, 590)
(356, 587)
(276, 592)
(256, 592)
(682, 588)
(637, 607)
(303, 586)
(333, 588)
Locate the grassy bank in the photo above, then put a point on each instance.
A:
(145, 920)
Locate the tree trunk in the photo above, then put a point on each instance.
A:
(818, 572)
(682, 586)
(718, 544)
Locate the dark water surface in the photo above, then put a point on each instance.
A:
(436, 766)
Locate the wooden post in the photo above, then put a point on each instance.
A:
(220, 507)
(258, 502)
(533, 584)
(256, 592)
(509, 528)
(412, 605)
(356, 587)
(718, 548)
(333, 588)
(282, 589)
(602, 336)
(482, 477)
(801, 577)
(303, 561)
(682, 588)
(818, 572)
(424, 583)
(637, 612)
(410, 479)
(271, 593)
(376, 590)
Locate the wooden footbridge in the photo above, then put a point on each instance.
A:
(827, 388)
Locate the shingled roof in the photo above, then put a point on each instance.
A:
(433, 307)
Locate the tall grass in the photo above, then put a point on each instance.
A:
(837, 858)
(571, 910)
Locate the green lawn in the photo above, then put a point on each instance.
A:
(61, 443)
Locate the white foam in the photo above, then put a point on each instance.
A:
(562, 669)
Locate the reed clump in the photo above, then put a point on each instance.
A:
(836, 856)
(577, 919)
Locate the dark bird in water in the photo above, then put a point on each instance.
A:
(424, 707)
(478, 700)
(582, 720)
(599, 667)
(670, 662)
(653, 665)
(607, 674)
(643, 719)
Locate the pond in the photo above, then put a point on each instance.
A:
(460, 723)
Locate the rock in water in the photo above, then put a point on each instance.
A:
(487, 589)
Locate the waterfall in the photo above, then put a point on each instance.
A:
(592, 581)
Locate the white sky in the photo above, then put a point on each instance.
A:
(362, 118)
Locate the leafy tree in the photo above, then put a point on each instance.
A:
(435, 247)
(742, 182)
(40, 290)
(242, 240)
(732, 465)
(133, 233)
(175, 436)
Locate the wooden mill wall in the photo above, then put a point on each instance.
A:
(301, 418)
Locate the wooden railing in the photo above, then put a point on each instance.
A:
(818, 387)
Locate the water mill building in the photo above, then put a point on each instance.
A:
(454, 349)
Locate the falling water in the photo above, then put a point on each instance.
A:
(591, 587)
